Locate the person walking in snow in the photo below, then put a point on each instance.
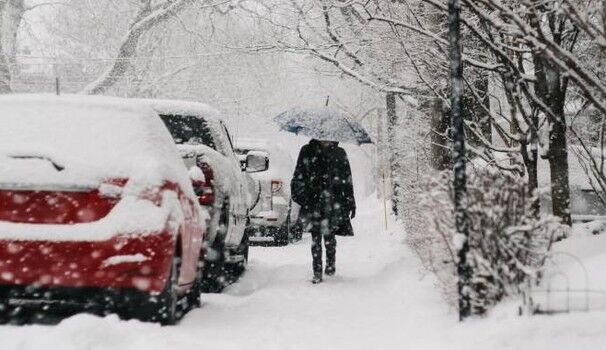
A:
(322, 186)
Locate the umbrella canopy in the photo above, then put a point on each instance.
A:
(324, 123)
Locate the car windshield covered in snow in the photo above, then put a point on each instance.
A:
(188, 129)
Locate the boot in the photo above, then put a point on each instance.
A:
(317, 278)
(330, 270)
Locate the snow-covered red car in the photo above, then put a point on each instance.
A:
(223, 187)
(97, 210)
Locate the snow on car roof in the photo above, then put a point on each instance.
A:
(250, 143)
(182, 107)
(187, 148)
(81, 140)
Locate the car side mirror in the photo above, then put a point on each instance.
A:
(256, 162)
(196, 175)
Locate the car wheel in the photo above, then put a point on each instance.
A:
(213, 274)
(163, 308)
(169, 299)
(4, 311)
(194, 297)
(281, 235)
(239, 267)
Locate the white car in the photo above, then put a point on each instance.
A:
(274, 218)
(220, 183)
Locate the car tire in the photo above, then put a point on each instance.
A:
(4, 311)
(169, 312)
(194, 296)
(213, 273)
(214, 277)
(237, 269)
(281, 235)
(163, 308)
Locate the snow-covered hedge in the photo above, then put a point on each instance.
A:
(507, 244)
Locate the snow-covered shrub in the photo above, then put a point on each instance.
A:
(507, 243)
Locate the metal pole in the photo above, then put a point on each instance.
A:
(460, 179)
(57, 86)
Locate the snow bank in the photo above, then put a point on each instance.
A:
(575, 276)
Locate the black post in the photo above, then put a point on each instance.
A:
(461, 238)
(392, 123)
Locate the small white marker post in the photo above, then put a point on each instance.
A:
(384, 194)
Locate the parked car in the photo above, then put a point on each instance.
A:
(223, 188)
(274, 218)
(97, 211)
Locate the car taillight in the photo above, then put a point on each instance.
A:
(204, 189)
(112, 188)
(276, 186)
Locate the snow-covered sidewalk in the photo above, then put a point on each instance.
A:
(380, 299)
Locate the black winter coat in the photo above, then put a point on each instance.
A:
(322, 184)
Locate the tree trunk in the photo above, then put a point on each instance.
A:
(532, 166)
(558, 165)
(5, 73)
(392, 123)
(15, 10)
(551, 87)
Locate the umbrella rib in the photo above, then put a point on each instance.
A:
(352, 129)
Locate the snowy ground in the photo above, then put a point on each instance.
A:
(379, 299)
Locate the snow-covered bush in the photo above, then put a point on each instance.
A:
(507, 243)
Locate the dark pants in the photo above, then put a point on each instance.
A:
(318, 231)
